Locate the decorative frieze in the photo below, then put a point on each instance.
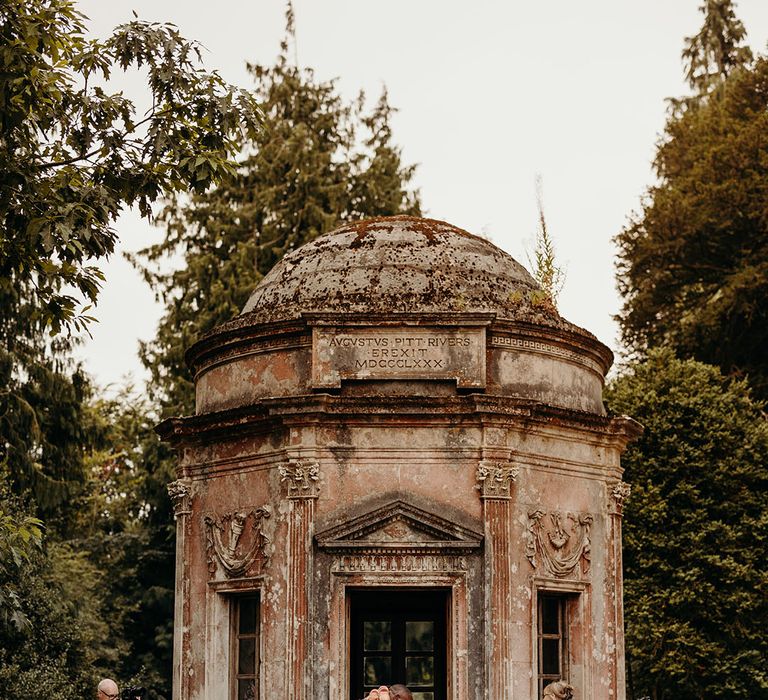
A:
(180, 492)
(559, 542)
(302, 478)
(399, 562)
(495, 479)
(508, 342)
(236, 541)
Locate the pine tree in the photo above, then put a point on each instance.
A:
(693, 264)
(711, 55)
(317, 162)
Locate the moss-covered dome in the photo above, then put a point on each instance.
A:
(399, 264)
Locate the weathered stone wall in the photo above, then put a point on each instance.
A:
(502, 474)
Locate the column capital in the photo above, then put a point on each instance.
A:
(495, 478)
(180, 492)
(302, 477)
(618, 494)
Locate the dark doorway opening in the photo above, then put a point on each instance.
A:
(399, 636)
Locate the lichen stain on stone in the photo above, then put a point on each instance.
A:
(218, 381)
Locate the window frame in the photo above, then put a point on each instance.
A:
(562, 637)
(578, 609)
(362, 606)
(235, 606)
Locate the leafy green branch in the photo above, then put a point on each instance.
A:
(74, 155)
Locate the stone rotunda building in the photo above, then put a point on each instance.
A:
(399, 470)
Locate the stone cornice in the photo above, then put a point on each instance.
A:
(236, 337)
(241, 336)
(271, 414)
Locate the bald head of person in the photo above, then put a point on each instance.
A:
(107, 690)
(399, 692)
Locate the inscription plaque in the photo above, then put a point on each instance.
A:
(398, 353)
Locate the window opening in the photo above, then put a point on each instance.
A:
(552, 634)
(245, 648)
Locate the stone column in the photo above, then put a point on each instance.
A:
(180, 492)
(618, 493)
(301, 478)
(496, 479)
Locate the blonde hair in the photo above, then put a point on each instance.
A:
(559, 690)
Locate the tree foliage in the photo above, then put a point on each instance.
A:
(105, 570)
(711, 55)
(21, 536)
(43, 441)
(695, 532)
(73, 155)
(125, 525)
(43, 436)
(693, 265)
(317, 162)
(48, 659)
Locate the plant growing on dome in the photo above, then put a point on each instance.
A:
(544, 266)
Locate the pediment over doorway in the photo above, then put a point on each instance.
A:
(399, 526)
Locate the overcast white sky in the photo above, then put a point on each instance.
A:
(490, 94)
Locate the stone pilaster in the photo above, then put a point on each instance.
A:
(618, 494)
(495, 481)
(180, 492)
(301, 478)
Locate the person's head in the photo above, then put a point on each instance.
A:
(107, 690)
(560, 690)
(399, 692)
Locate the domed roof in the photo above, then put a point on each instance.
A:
(399, 264)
